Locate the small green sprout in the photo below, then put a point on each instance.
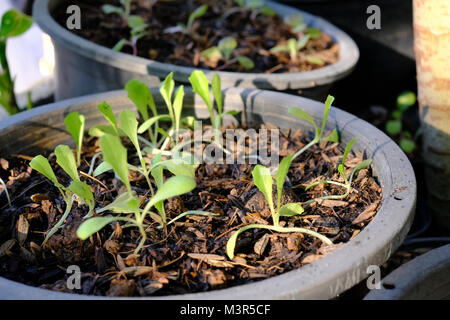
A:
(318, 132)
(197, 13)
(138, 30)
(224, 51)
(394, 127)
(75, 126)
(66, 160)
(257, 6)
(123, 12)
(341, 169)
(294, 46)
(296, 22)
(13, 24)
(116, 156)
(263, 181)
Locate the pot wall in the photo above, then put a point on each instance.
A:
(41, 129)
(83, 67)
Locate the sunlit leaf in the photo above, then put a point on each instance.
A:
(197, 13)
(227, 46)
(75, 126)
(314, 60)
(41, 165)
(150, 122)
(246, 62)
(83, 191)
(128, 124)
(120, 205)
(14, 23)
(332, 137)
(217, 92)
(326, 111)
(263, 181)
(116, 155)
(139, 93)
(166, 90)
(66, 160)
(280, 176)
(108, 9)
(93, 225)
(173, 187)
(102, 168)
(314, 33)
(290, 210)
(178, 105)
(405, 100)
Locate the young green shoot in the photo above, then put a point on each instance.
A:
(318, 132)
(197, 13)
(347, 180)
(263, 181)
(138, 30)
(75, 126)
(255, 6)
(226, 51)
(66, 160)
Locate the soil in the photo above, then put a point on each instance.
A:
(190, 256)
(255, 35)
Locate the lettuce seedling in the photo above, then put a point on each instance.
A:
(293, 47)
(263, 181)
(296, 22)
(225, 50)
(318, 132)
(75, 126)
(341, 169)
(256, 6)
(138, 30)
(66, 160)
(197, 13)
(394, 127)
(13, 24)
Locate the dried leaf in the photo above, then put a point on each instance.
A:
(368, 213)
(261, 244)
(333, 203)
(22, 229)
(6, 247)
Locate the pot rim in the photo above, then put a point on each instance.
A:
(324, 278)
(348, 51)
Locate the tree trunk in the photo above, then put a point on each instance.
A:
(432, 48)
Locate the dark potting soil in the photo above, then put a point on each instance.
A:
(255, 34)
(190, 256)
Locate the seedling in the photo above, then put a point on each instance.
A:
(318, 132)
(294, 46)
(296, 22)
(13, 24)
(394, 127)
(66, 160)
(225, 50)
(256, 6)
(116, 156)
(123, 12)
(75, 126)
(197, 13)
(138, 30)
(347, 181)
(263, 181)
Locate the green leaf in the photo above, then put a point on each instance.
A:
(107, 112)
(280, 176)
(116, 155)
(192, 212)
(128, 124)
(405, 100)
(227, 46)
(66, 160)
(179, 167)
(119, 45)
(108, 9)
(197, 13)
(41, 165)
(292, 46)
(314, 60)
(157, 171)
(147, 124)
(14, 23)
(100, 130)
(83, 191)
(231, 244)
(200, 86)
(299, 113)
(246, 62)
(280, 48)
(166, 90)
(397, 114)
(135, 22)
(263, 181)
(332, 137)
(121, 204)
(173, 187)
(347, 150)
(102, 168)
(212, 54)
(75, 126)
(326, 111)
(362, 165)
(178, 106)
(139, 93)
(217, 91)
(268, 12)
(314, 33)
(290, 210)
(302, 42)
(407, 145)
(93, 225)
(394, 127)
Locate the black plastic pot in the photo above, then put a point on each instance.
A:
(40, 130)
(83, 67)
(423, 278)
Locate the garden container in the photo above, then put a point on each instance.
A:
(423, 278)
(83, 67)
(41, 129)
